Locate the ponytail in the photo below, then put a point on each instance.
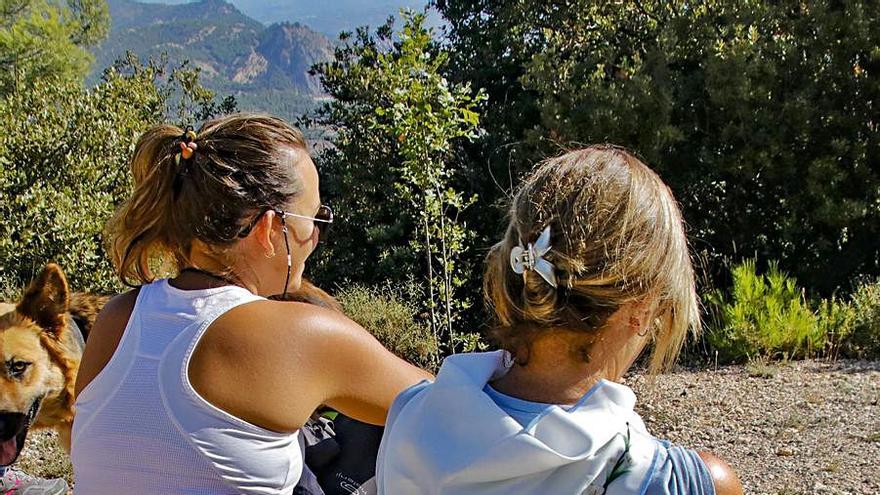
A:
(138, 231)
(202, 186)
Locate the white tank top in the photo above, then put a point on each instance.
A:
(141, 428)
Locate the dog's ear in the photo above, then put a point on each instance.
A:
(47, 300)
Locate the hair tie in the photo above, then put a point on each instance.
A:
(523, 259)
(187, 145)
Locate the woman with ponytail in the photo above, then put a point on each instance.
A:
(198, 384)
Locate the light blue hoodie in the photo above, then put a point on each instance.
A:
(450, 437)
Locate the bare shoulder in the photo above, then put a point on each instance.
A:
(285, 326)
(104, 337)
(120, 305)
(725, 478)
(266, 352)
(315, 341)
(300, 340)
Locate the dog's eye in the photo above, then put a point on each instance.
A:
(17, 368)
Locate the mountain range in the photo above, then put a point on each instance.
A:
(326, 17)
(264, 62)
(233, 51)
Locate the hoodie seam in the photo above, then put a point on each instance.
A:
(650, 474)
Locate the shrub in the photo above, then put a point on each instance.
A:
(392, 171)
(63, 156)
(64, 153)
(836, 320)
(764, 315)
(391, 318)
(755, 113)
(864, 339)
(761, 367)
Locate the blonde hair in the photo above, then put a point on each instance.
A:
(617, 237)
(237, 171)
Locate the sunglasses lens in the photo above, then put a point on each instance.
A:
(325, 215)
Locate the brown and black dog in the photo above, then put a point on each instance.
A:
(41, 342)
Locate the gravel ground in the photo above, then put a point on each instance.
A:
(805, 427)
(43, 456)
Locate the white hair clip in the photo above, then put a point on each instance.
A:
(532, 258)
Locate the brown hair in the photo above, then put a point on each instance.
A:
(237, 171)
(617, 237)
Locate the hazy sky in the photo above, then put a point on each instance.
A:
(326, 16)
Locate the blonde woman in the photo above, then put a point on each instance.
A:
(593, 268)
(198, 384)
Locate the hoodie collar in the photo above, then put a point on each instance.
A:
(476, 370)
(454, 430)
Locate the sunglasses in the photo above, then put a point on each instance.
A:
(324, 216)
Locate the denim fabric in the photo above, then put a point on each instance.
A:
(680, 471)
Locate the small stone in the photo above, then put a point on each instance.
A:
(785, 452)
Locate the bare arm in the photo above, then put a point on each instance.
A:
(364, 378)
(273, 363)
(724, 477)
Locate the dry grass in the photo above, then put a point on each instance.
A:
(762, 368)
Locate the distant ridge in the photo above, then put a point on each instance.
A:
(328, 17)
(235, 53)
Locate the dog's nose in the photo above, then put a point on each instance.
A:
(11, 424)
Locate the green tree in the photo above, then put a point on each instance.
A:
(396, 121)
(490, 43)
(760, 115)
(64, 153)
(42, 39)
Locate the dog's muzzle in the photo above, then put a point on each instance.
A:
(14, 428)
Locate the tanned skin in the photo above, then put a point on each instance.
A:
(272, 363)
(724, 477)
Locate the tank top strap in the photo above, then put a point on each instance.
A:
(213, 432)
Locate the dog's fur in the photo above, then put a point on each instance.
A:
(310, 294)
(39, 357)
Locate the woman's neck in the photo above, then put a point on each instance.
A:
(204, 271)
(553, 373)
(550, 386)
(561, 366)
